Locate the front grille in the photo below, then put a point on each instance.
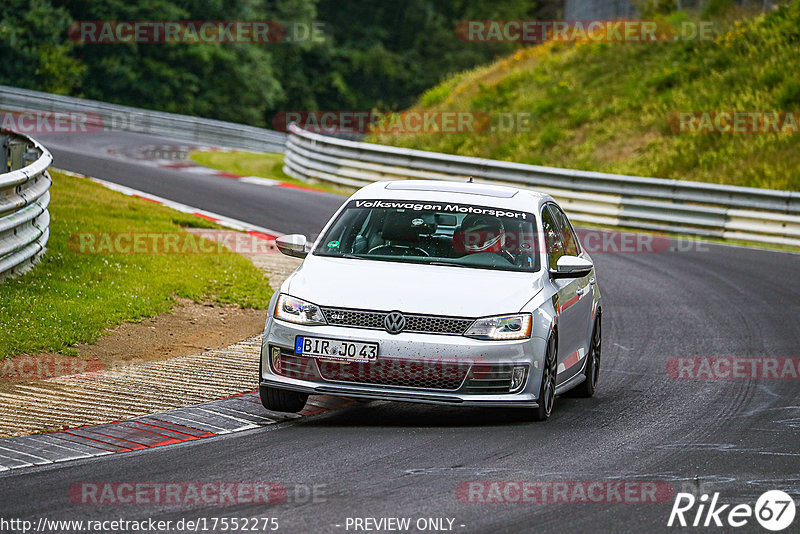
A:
(355, 318)
(488, 379)
(431, 375)
(417, 324)
(298, 367)
(425, 324)
(442, 376)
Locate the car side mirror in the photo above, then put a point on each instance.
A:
(295, 245)
(571, 267)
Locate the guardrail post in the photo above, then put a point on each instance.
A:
(16, 150)
(4, 154)
(29, 156)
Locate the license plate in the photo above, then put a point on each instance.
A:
(336, 349)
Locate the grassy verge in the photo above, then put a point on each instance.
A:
(261, 165)
(610, 106)
(72, 297)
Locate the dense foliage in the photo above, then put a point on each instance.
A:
(611, 106)
(373, 55)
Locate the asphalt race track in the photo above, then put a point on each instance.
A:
(738, 437)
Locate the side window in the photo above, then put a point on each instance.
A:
(552, 238)
(571, 247)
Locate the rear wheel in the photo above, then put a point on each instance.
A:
(281, 400)
(592, 371)
(547, 391)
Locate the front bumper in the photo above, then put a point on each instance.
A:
(479, 361)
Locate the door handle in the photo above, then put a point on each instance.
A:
(581, 290)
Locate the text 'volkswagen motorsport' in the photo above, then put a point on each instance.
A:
(436, 292)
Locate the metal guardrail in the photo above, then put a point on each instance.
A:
(662, 205)
(104, 116)
(24, 197)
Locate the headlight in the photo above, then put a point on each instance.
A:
(298, 311)
(502, 327)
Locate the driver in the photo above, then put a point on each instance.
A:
(480, 233)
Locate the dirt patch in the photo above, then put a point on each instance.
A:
(189, 328)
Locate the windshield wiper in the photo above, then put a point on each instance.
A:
(348, 255)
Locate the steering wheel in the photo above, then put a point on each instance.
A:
(405, 250)
(506, 255)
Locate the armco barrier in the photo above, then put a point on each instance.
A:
(104, 116)
(24, 197)
(673, 206)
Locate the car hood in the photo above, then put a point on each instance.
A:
(410, 288)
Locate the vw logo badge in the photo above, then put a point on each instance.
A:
(394, 322)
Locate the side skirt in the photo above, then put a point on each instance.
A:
(571, 383)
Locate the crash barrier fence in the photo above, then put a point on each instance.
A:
(24, 198)
(671, 206)
(662, 205)
(101, 116)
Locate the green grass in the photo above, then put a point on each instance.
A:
(72, 298)
(606, 106)
(262, 165)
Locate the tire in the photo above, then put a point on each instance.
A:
(587, 388)
(281, 400)
(547, 390)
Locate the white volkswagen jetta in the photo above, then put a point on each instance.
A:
(437, 292)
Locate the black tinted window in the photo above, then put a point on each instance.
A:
(571, 247)
(552, 238)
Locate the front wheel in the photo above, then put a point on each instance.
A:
(281, 400)
(592, 371)
(547, 391)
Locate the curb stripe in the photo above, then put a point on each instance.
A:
(206, 217)
(188, 435)
(225, 416)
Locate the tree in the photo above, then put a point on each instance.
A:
(33, 50)
(373, 54)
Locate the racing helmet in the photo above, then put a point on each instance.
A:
(480, 233)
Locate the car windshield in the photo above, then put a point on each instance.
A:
(435, 233)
